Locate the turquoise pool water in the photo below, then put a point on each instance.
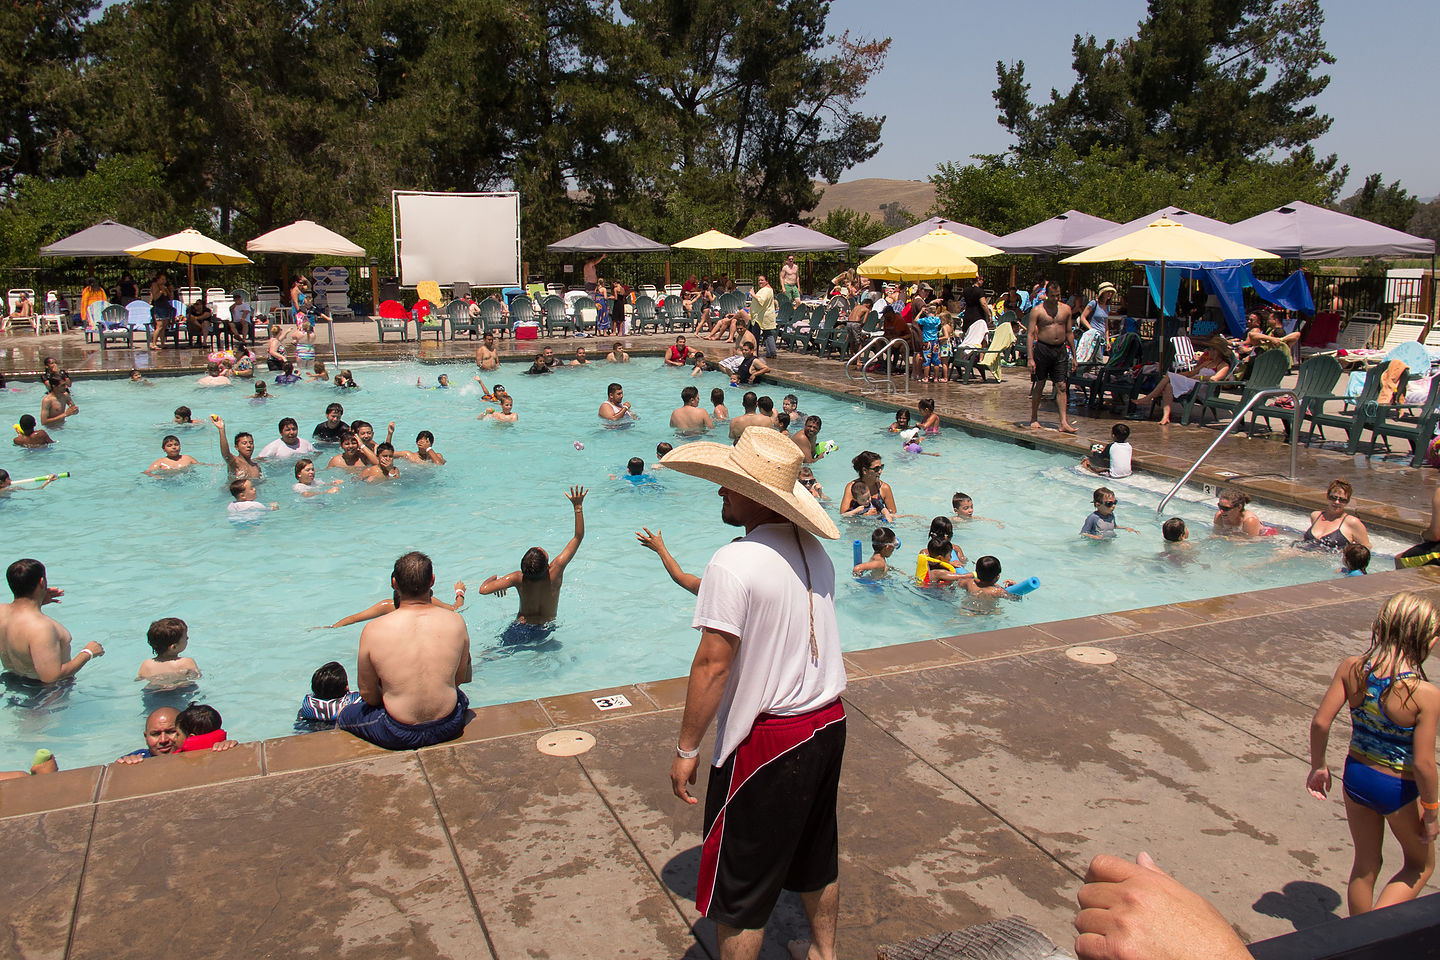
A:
(129, 549)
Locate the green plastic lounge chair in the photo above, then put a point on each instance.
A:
(1089, 378)
(1266, 372)
(1317, 378)
(457, 314)
(1351, 415)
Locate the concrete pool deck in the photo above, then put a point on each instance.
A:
(982, 771)
(981, 775)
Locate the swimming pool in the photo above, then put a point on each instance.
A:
(129, 549)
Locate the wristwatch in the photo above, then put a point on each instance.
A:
(686, 754)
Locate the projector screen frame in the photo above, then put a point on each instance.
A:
(397, 229)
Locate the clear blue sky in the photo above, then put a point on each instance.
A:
(935, 87)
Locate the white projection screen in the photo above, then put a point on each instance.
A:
(446, 237)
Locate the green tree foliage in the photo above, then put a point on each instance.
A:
(1003, 193)
(1391, 206)
(857, 229)
(1215, 81)
(1426, 221)
(41, 40)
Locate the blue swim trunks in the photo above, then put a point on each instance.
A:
(1382, 792)
(533, 635)
(378, 727)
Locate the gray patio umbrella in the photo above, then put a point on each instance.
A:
(920, 229)
(606, 238)
(106, 239)
(1185, 218)
(793, 238)
(1064, 233)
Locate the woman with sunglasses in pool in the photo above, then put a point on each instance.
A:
(1233, 519)
(867, 468)
(1334, 527)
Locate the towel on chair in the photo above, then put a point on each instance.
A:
(1390, 381)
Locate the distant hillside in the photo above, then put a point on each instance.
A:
(868, 196)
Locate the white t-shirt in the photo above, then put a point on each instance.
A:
(247, 510)
(754, 589)
(277, 449)
(1120, 454)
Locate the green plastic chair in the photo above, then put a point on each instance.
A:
(1316, 378)
(1266, 372)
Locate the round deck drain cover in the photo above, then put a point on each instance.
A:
(1090, 655)
(567, 743)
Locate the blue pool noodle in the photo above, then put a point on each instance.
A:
(1023, 587)
(857, 552)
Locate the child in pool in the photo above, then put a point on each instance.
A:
(168, 638)
(964, 507)
(910, 443)
(320, 374)
(882, 544)
(929, 419)
(808, 481)
(868, 503)
(1390, 774)
(944, 562)
(200, 725)
(902, 420)
(262, 392)
(1355, 560)
(986, 581)
(329, 694)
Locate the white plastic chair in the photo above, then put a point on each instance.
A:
(189, 295)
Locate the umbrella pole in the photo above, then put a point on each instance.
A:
(190, 270)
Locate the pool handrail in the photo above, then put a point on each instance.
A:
(1237, 418)
(874, 346)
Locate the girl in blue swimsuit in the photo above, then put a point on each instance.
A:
(1390, 774)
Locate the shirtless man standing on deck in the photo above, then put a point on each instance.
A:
(1051, 337)
(539, 578)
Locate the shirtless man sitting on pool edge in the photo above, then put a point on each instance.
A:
(539, 578)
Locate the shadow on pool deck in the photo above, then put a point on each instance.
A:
(982, 773)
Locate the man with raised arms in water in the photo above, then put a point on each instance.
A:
(410, 666)
(241, 463)
(33, 647)
(539, 578)
(1051, 339)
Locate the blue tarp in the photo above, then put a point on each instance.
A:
(1227, 281)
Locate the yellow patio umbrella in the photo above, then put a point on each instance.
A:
(1163, 241)
(712, 240)
(937, 255)
(189, 247)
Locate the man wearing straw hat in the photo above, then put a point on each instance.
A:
(768, 670)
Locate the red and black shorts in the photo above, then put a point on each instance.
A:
(770, 817)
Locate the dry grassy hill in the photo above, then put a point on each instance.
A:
(868, 196)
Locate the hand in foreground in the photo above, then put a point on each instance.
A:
(1318, 783)
(650, 540)
(1136, 911)
(576, 495)
(52, 595)
(682, 772)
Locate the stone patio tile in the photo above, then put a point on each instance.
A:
(505, 720)
(1147, 619)
(51, 791)
(323, 748)
(1002, 643)
(666, 693)
(44, 858)
(553, 872)
(903, 656)
(573, 708)
(1128, 768)
(178, 771)
(1228, 607)
(917, 855)
(349, 861)
(1083, 629)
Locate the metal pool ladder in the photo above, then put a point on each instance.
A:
(862, 357)
(1239, 416)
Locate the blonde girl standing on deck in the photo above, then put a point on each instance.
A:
(1390, 772)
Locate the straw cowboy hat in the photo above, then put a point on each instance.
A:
(763, 466)
(1106, 287)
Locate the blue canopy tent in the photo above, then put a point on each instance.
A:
(1227, 280)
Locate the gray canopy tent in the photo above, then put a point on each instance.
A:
(1299, 231)
(1061, 234)
(606, 238)
(920, 229)
(1185, 218)
(106, 239)
(793, 238)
